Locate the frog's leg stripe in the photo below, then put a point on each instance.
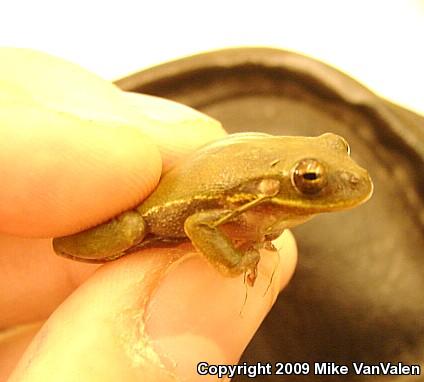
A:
(157, 242)
(217, 248)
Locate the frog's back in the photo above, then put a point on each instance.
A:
(201, 181)
(213, 170)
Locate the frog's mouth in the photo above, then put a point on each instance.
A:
(278, 227)
(313, 206)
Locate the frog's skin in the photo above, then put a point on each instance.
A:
(231, 198)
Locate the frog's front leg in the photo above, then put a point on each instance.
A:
(104, 242)
(218, 249)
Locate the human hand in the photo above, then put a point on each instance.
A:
(77, 151)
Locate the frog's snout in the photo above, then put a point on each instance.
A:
(357, 184)
(352, 179)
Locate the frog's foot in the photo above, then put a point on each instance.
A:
(269, 246)
(218, 248)
(251, 272)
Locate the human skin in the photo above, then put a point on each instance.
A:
(66, 166)
(148, 316)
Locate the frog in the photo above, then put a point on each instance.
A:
(231, 198)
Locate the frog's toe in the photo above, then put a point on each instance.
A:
(247, 265)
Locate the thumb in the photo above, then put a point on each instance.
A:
(153, 316)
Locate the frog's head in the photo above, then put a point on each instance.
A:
(318, 175)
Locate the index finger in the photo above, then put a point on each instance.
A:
(61, 173)
(74, 149)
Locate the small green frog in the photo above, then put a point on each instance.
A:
(231, 198)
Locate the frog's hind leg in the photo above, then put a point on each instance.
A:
(105, 242)
(218, 248)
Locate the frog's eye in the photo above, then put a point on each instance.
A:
(345, 145)
(309, 176)
(336, 142)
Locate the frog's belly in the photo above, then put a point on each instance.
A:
(261, 224)
(255, 225)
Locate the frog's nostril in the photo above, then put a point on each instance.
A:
(350, 178)
(354, 179)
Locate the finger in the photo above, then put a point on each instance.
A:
(136, 318)
(61, 174)
(73, 147)
(68, 159)
(162, 119)
(60, 85)
(13, 343)
(42, 79)
(213, 318)
(34, 281)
